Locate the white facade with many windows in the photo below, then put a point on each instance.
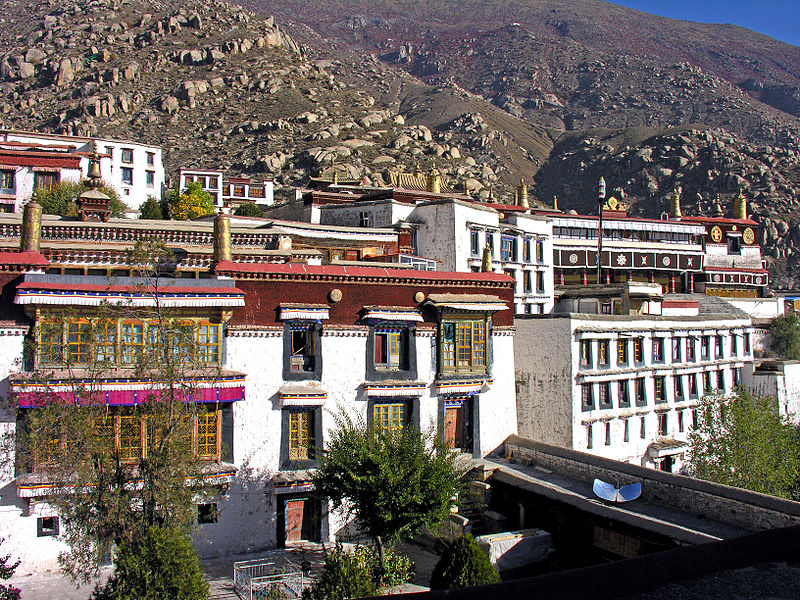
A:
(627, 386)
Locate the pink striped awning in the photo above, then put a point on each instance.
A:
(125, 392)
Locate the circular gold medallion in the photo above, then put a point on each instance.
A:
(716, 233)
(748, 236)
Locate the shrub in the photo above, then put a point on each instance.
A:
(462, 565)
(162, 564)
(7, 568)
(248, 209)
(785, 332)
(192, 203)
(61, 199)
(357, 573)
(151, 209)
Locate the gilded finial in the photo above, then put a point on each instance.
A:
(522, 194)
(417, 170)
(486, 259)
(675, 204)
(740, 206)
(434, 180)
(718, 212)
(555, 202)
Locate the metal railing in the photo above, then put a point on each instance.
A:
(262, 580)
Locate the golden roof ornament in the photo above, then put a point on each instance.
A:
(417, 170)
(718, 212)
(675, 204)
(555, 202)
(740, 207)
(434, 180)
(486, 259)
(522, 194)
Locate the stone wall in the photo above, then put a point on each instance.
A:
(725, 504)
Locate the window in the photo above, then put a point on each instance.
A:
(734, 245)
(623, 395)
(45, 181)
(490, 243)
(50, 343)
(539, 251)
(747, 343)
(606, 308)
(690, 349)
(463, 346)
(208, 343)
(734, 344)
(105, 343)
(47, 526)
(658, 386)
(706, 382)
(110, 152)
(130, 437)
(508, 248)
(608, 434)
(301, 434)
(127, 155)
(208, 434)
(526, 281)
(389, 417)
(622, 352)
(642, 428)
(705, 344)
(150, 178)
(540, 282)
(586, 353)
(7, 180)
(589, 441)
(662, 424)
(238, 191)
(678, 381)
(676, 350)
(737, 376)
(695, 419)
(151, 159)
(127, 175)
(389, 352)
(256, 191)
(78, 342)
(680, 421)
(207, 513)
(213, 184)
(626, 430)
(302, 356)
(587, 401)
(131, 342)
(721, 380)
(641, 394)
(693, 385)
(603, 359)
(474, 243)
(718, 347)
(526, 250)
(605, 394)
(658, 350)
(638, 351)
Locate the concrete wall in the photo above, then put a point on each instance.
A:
(782, 382)
(759, 308)
(722, 503)
(543, 373)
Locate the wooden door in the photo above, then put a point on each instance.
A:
(453, 426)
(295, 518)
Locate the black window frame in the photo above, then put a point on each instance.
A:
(408, 368)
(314, 374)
(295, 464)
(47, 526)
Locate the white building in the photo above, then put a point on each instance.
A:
(228, 193)
(626, 385)
(135, 170)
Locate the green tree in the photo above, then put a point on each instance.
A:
(120, 497)
(192, 203)
(7, 568)
(159, 565)
(248, 209)
(742, 441)
(785, 333)
(463, 564)
(151, 209)
(61, 198)
(392, 483)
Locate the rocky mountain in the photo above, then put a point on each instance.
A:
(218, 87)
(491, 91)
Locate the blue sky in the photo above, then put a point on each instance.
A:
(776, 18)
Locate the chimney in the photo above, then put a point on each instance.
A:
(740, 207)
(31, 228)
(222, 238)
(675, 204)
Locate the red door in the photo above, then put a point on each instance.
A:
(295, 513)
(453, 426)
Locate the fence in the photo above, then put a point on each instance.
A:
(263, 580)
